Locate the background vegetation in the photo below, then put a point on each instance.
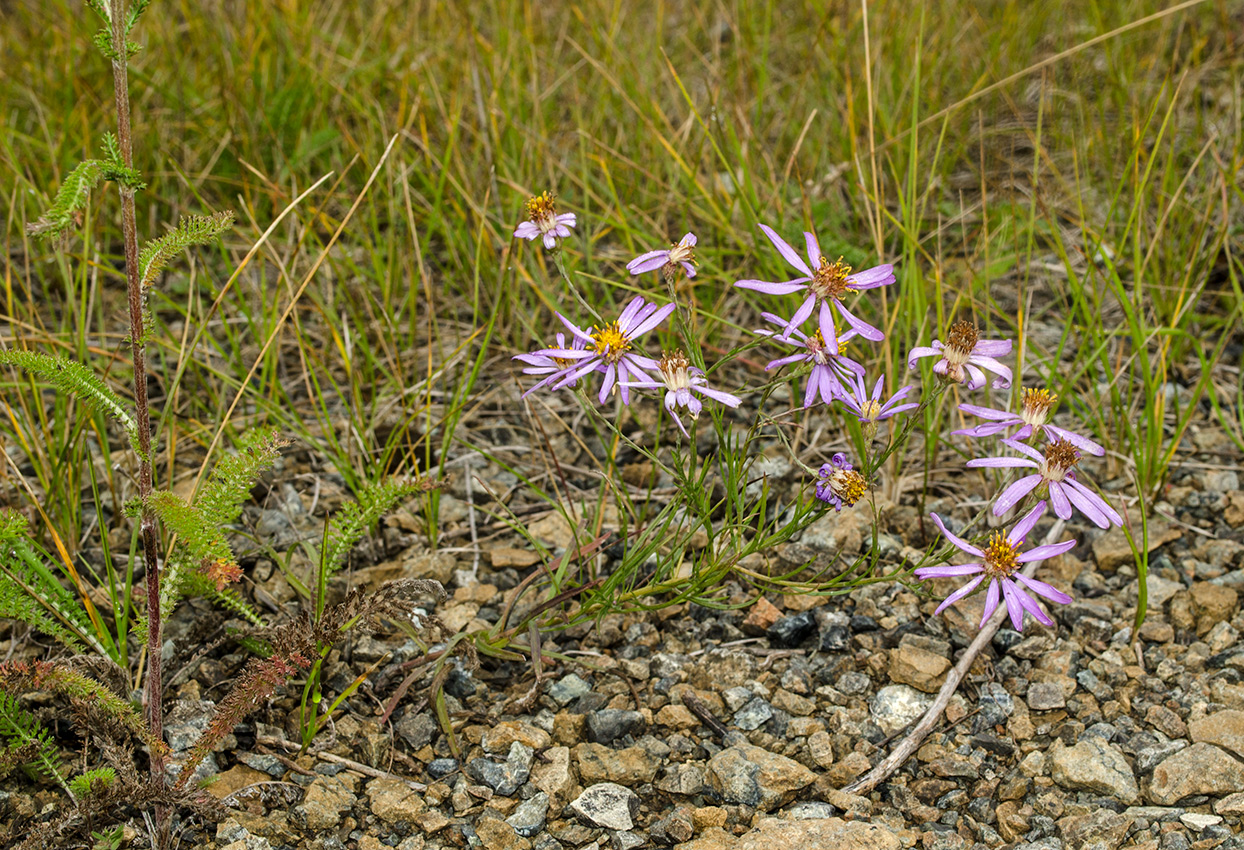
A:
(1055, 168)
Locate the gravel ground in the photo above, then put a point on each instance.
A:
(704, 729)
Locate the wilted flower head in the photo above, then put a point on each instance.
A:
(1055, 470)
(1001, 562)
(681, 380)
(608, 349)
(964, 355)
(1036, 405)
(543, 220)
(826, 283)
(829, 364)
(681, 253)
(839, 483)
(554, 368)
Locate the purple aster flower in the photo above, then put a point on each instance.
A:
(543, 220)
(680, 379)
(679, 253)
(608, 349)
(964, 354)
(839, 483)
(869, 409)
(829, 365)
(826, 283)
(1000, 562)
(1055, 470)
(1035, 408)
(555, 368)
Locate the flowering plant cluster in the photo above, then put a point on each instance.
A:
(815, 335)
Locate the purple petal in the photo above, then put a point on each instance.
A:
(718, 395)
(862, 327)
(992, 347)
(921, 351)
(785, 361)
(1042, 589)
(652, 321)
(976, 378)
(826, 323)
(989, 413)
(801, 315)
(628, 313)
(809, 393)
(1010, 497)
(949, 571)
(688, 240)
(611, 375)
(991, 601)
(1040, 553)
(649, 262)
(688, 268)
(1084, 444)
(1025, 526)
(1025, 449)
(773, 288)
(1030, 605)
(1000, 463)
(1062, 507)
(1082, 496)
(872, 278)
(814, 250)
(1004, 373)
(955, 539)
(986, 430)
(787, 252)
(1013, 606)
(550, 240)
(527, 230)
(958, 594)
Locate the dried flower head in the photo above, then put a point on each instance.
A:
(1000, 563)
(1036, 406)
(543, 221)
(1055, 472)
(681, 380)
(839, 483)
(964, 355)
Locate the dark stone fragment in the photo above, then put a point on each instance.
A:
(835, 639)
(607, 725)
(792, 630)
(993, 744)
(459, 683)
(863, 623)
(438, 768)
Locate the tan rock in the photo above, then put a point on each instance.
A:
(513, 557)
(677, 717)
(498, 739)
(393, 801)
(1166, 721)
(821, 748)
(1013, 820)
(629, 766)
(1199, 769)
(234, 779)
(819, 833)
(1213, 604)
(920, 668)
(496, 834)
(554, 776)
(1223, 728)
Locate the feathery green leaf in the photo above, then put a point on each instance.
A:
(353, 519)
(72, 378)
(192, 230)
(70, 200)
(30, 593)
(27, 742)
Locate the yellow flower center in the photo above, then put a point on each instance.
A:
(829, 281)
(848, 485)
(610, 343)
(870, 409)
(1001, 558)
(1036, 406)
(541, 208)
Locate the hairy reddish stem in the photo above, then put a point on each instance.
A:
(129, 226)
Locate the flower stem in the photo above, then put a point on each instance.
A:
(152, 695)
